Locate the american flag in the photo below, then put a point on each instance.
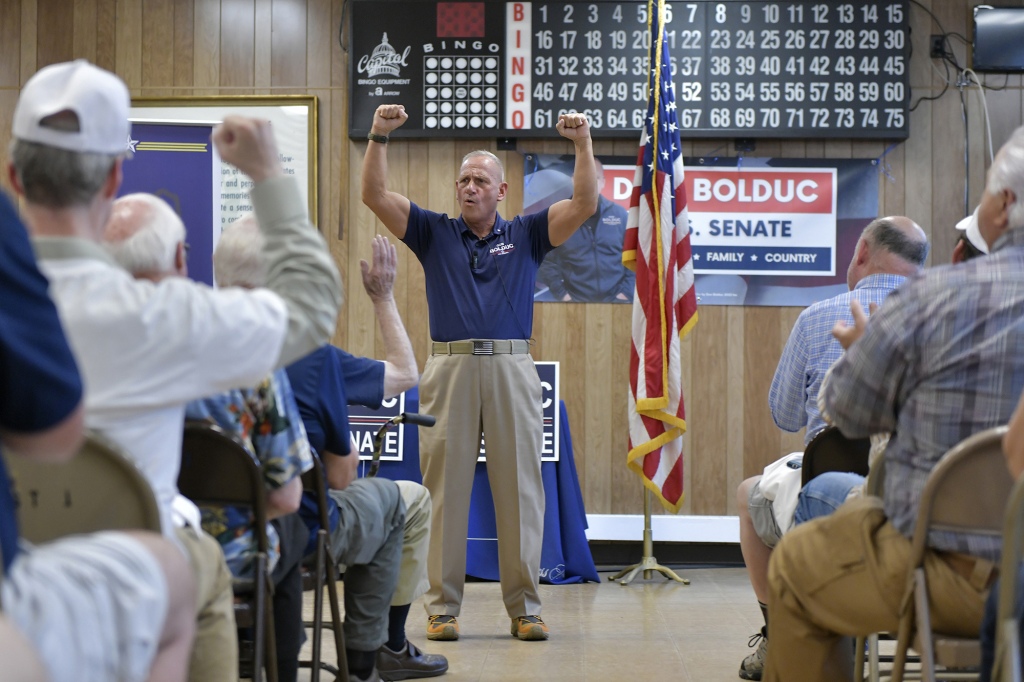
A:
(657, 247)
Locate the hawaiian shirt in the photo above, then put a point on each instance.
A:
(267, 419)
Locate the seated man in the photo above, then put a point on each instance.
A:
(888, 252)
(321, 381)
(93, 607)
(266, 418)
(145, 349)
(324, 381)
(147, 239)
(938, 362)
(238, 262)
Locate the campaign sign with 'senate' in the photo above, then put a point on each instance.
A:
(752, 221)
(363, 422)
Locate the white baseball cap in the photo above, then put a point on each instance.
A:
(98, 98)
(973, 233)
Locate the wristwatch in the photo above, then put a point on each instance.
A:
(380, 139)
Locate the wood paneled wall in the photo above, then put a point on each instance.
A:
(223, 47)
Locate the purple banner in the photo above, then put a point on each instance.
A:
(176, 162)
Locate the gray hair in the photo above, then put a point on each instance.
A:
(489, 155)
(884, 233)
(143, 234)
(238, 258)
(1007, 172)
(57, 178)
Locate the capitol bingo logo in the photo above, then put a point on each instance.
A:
(383, 61)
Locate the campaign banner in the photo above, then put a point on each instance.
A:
(363, 422)
(753, 221)
(177, 162)
(764, 231)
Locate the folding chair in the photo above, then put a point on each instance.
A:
(830, 450)
(97, 489)
(966, 492)
(873, 486)
(313, 578)
(219, 470)
(1008, 657)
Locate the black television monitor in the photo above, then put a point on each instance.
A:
(998, 39)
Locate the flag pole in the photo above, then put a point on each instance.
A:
(664, 308)
(648, 564)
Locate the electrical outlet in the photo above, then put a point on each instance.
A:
(938, 46)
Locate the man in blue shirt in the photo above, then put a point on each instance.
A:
(888, 252)
(384, 563)
(132, 592)
(325, 382)
(480, 272)
(588, 267)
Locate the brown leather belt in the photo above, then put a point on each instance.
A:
(480, 347)
(980, 573)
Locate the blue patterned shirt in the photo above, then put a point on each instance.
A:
(811, 350)
(941, 360)
(267, 419)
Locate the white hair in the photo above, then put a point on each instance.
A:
(154, 231)
(489, 155)
(238, 258)
(1007, 172)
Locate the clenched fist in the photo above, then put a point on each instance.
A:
(573, 126)
(248, 144)
(387, 118)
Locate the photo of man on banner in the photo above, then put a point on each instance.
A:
(765, 231)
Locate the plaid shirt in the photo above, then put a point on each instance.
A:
(811, 350)
(942, 359)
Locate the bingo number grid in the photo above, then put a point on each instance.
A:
(461, 92)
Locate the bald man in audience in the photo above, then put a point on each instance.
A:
(940, 360)
(147, 238)
(145, 349)
(888, 251)
(324, 382)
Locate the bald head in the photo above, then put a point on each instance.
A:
(146, 237)
(238, 258)
(894, 245)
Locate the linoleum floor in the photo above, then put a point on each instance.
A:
(648, 630)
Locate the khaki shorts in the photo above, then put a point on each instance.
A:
(763, 516)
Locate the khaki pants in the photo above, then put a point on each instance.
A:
(412, 574)
(500, 396)
(215, 651)
(845, 575)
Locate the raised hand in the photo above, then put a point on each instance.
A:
(379, 279)
(846, 336)
(387, 118)
(248, 144)
(573, 126)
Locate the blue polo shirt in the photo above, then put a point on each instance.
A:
(319, 387)
(39, 381)
(478, 288)
(323, 383)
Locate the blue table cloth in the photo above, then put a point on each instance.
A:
(565, 556)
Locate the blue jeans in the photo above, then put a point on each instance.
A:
(988, 625)
(823, 495)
